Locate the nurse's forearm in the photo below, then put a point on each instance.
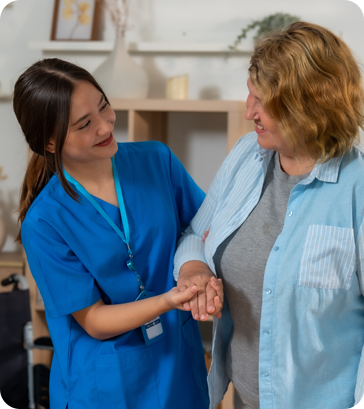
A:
(105, 321)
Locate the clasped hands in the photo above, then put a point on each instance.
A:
(209, 298)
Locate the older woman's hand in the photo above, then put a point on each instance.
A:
(209, 297)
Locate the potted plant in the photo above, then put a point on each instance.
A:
(271, 23)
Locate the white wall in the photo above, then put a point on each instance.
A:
(197, 139)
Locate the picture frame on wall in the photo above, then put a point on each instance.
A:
(75, 20)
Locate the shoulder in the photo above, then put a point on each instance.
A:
(49, 206)
(243, 151)
(249, 140)
(354, 160)
(359, 146)
(246, 145)
(351, 180)
(48, 196)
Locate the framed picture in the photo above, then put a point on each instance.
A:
(75, 20)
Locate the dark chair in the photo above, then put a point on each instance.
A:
(22, 385)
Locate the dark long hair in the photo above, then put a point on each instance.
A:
(42, 104)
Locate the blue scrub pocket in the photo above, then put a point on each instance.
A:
(193, 344)
(125, 380)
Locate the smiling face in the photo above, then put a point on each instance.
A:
(90, 137)
(269, 135)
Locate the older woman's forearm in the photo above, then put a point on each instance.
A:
(194, 267)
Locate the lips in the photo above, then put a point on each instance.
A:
(106, 141)
(259, 129)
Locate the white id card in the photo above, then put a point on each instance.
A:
(153, 330)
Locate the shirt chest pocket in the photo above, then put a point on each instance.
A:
(328, 259)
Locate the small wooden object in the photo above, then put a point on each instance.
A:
(177, 87)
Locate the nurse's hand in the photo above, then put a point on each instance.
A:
(176, 298)
(209, 298)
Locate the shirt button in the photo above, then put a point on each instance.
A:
(290, 213)
(276, 248)
(268, 290)
(265, 374)
(266, 332)
(260, 159)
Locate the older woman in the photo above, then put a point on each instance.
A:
(285, 214)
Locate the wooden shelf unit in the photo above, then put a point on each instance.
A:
(147, 118)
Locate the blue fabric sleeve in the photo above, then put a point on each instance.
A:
(190, 246)
(64, 283)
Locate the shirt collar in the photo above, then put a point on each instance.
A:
(326, 172)
(329, 171)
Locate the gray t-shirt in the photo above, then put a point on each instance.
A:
(240, 261)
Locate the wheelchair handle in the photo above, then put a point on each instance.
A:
(7, 281)
(15, 279)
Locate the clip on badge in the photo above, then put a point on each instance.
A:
(153, 330)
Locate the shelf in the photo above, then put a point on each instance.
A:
(133, 47)
(147, 118)
(170, 105)
(11, 260)
(76, 46)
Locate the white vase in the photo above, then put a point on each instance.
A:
(120, 76)
(2, 233)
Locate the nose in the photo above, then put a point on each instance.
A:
(251, 112)
(106, 124)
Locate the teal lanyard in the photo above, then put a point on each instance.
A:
(125, 238)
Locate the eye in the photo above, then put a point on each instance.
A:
(83, 127)
(104, 106)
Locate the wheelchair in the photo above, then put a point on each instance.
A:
(22, 385)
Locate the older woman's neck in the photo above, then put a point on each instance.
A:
(294, 165)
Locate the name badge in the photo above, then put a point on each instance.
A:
(153, 330)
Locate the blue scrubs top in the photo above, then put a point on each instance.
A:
(76, 258)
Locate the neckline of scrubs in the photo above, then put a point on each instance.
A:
(126, 178)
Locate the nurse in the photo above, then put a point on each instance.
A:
(99, 224)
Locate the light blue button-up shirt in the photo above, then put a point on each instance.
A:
(312, 322)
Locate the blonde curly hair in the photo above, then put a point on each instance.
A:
(311, 86)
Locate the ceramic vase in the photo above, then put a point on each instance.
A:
(120, 76)
(2, 233)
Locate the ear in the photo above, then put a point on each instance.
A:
(51, 146)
